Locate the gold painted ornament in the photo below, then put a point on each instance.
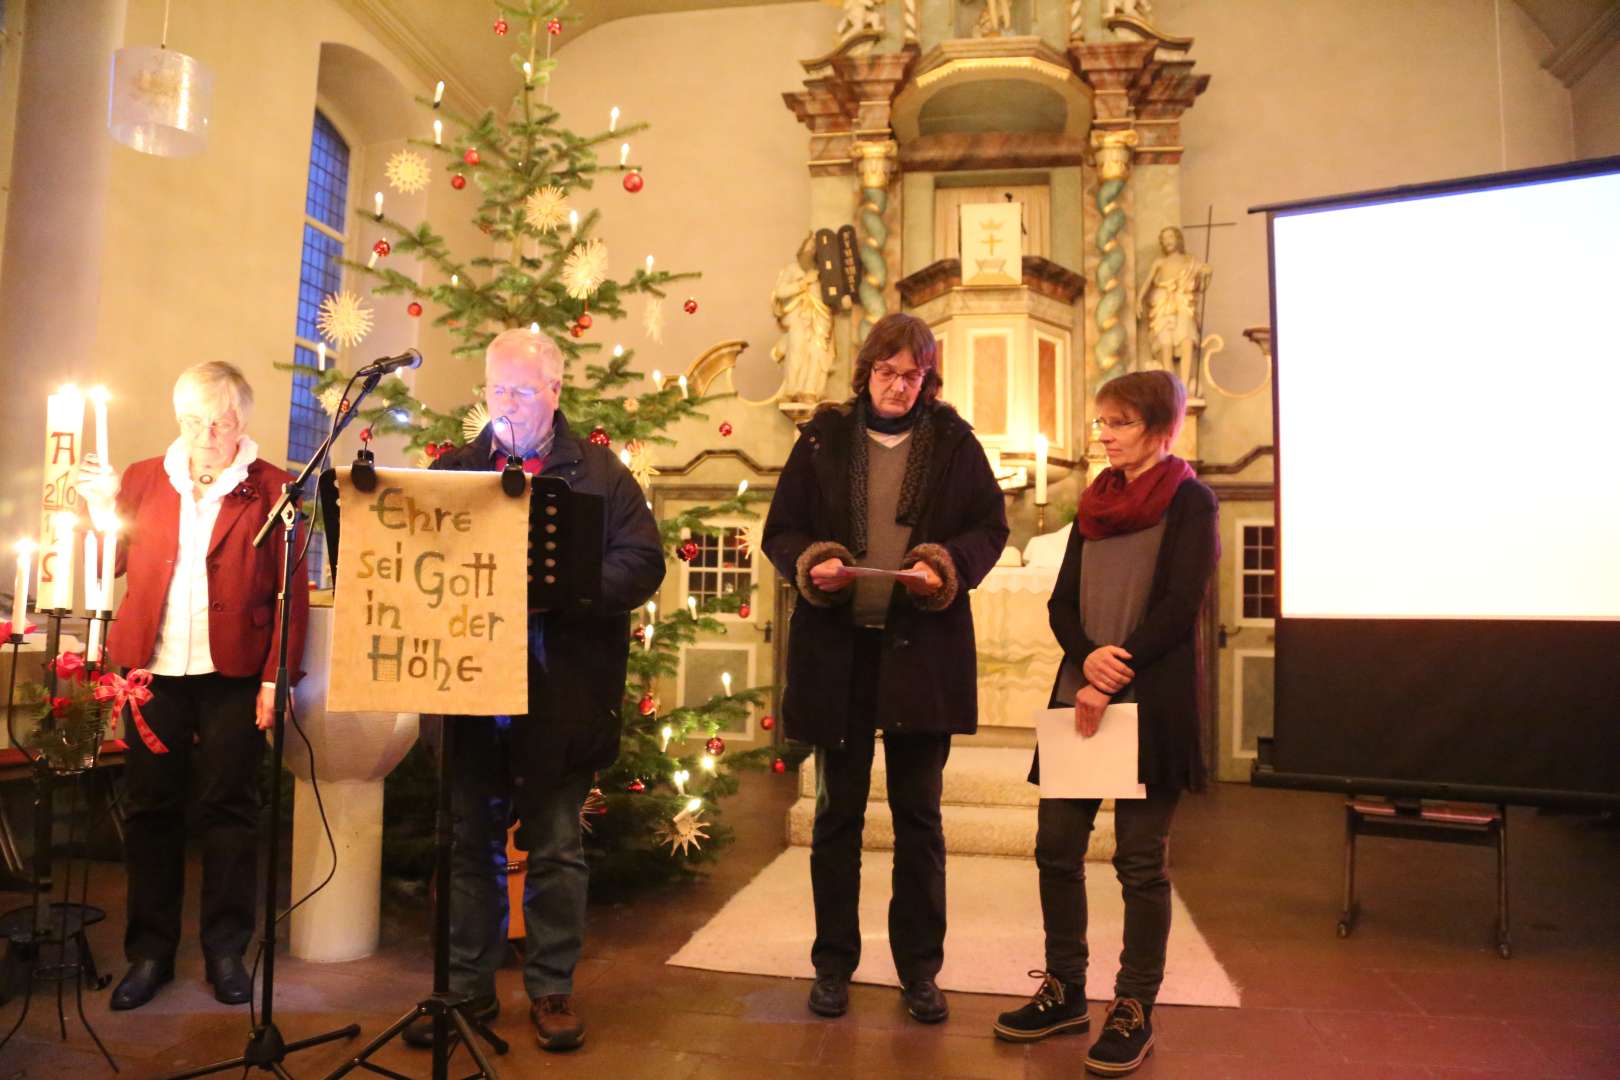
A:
(408, 172)
(545, 209)
(585, 269)
(344, 320)
(683, 832)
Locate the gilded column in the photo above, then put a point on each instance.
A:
(876, 162)
(1113, 149)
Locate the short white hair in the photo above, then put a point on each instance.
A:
(523, 343)
(218, 385)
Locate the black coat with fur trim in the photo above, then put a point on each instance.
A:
(928, 681)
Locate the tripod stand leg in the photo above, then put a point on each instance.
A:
(388, 1035)
(477, 1052)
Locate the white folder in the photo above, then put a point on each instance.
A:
(1101, 767)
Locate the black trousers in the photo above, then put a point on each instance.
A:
(1141, 829)
(914, 765)
(206, 721)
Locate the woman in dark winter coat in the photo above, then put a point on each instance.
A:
(1125, 610)
(891, 480)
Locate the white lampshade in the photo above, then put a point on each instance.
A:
(159, 100)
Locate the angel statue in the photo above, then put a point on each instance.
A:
(859, 15)
(805, 349)
(1169, 305)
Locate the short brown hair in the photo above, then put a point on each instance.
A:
(1156, 396)
(890, 335)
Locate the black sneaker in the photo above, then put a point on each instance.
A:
(1127, 1039)
(829, 995)
(1058, 1008)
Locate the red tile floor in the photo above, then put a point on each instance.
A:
(1417, 991)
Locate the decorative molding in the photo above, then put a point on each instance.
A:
(1582, 52)
(713, 455)
(1232, 468)
(1040, 275)
(394, 30)
(996, 150)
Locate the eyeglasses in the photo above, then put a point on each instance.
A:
(1114, 425)
(196, 425)
(912, 378)
(523, 394)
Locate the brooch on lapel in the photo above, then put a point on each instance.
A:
(243, 490)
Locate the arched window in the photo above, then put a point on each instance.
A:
(320, 274)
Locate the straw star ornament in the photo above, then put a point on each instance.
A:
(408, 172)
(344, 320)
(545, 209)
(585, 269)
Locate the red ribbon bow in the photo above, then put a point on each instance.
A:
(134, 692)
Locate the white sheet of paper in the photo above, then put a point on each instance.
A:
(1101, 767)
(870, 571)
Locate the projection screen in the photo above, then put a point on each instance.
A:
(1448, 484)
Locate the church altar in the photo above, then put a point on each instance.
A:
(1018, 657)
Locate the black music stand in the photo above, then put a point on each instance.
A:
(561, 523)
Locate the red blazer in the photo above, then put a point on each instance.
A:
(243, 581)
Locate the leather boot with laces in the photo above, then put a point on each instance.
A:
(1058, 1008)
(1126, 1041)
(555, 1024)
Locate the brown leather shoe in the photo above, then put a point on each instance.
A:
(555, 1024)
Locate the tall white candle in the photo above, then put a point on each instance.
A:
(92, 562)
(109, 563)
(725, 682)
(657, 378)
(1040, 469)
(60, 591)
(528, 72)
(19, 594)
(624, 154)
(613, 119)
(438, 132)
(98, 398)
(438, 93)
(92, 651)
(682, 382)
(320, 356)
(378, 201)
(649, 264)
(573, 221)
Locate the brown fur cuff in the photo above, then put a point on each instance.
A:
(940, 562)
(819, 552)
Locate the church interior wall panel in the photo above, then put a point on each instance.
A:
(1596, 107)
(1315, 96)
(727, 184)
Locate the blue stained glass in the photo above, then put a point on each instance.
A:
(328, 175)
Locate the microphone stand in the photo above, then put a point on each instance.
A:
(265, 1047)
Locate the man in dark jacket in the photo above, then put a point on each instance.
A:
(541, 765)
(892, 480)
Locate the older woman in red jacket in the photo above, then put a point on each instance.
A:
(200, 615)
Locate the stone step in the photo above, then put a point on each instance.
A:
(969, 830)
(974, 776)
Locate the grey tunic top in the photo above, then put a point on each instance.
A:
(885, 537)
(1116, 576)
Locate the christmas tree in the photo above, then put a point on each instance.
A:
(652, 815)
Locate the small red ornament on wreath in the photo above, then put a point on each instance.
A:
(725, 429)
(501, 27)
(413, 309)
(690, 307)
(382, 248)
(633, 182)
(576, 330)
(470, 156)
(767, 721)
(458, 181)
(584, 319)
(743, 610)
(779, 766)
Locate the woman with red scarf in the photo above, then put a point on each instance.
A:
(1125, 609)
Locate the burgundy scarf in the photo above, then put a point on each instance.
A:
(1112, 506)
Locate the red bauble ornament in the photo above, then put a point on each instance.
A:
(365, 434)
(767, 721)
(584, 319)
(576, 330)
(382, 248)
(554, 26)
(690, 306)
(633, 182)
(599, 437)
(725, 428)
(635, 787)
(432, 450)
(689, 551)
(648, 705)
(778, 766)
(458, 181)
(501, 28)
(743, 610)
(715, 746)
(470, 156)
(638, 634)
(446, 446)
(413, 309)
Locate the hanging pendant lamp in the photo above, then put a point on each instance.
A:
(158, 100)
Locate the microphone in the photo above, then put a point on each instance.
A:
(410, 358)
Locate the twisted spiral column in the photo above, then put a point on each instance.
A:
(1114, 150)
(876, 163)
